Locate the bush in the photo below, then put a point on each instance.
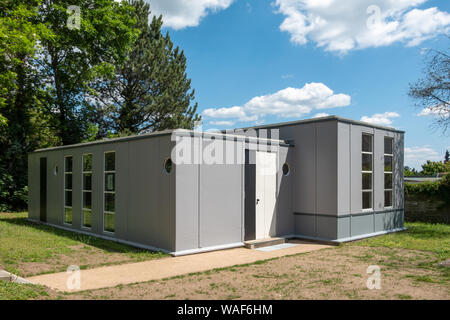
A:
(12, 196)
(440, 189)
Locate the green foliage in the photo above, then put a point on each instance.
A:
(15, 291)
(434, 167)
(74, 57)
(91, 132)
(409, 172)
(150, 91)
(21, 128)
(440, 189)
(53, 79)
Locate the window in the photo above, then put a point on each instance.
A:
(86, 191)
(68, 164)
(367, 171)
(109, 206)
(286, 169)
(388, 171)
(168, 165)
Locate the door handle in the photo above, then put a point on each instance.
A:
(257, 201)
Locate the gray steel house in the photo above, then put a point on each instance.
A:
(183, 192)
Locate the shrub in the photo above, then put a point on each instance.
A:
(439, 189)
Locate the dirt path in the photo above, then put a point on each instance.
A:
(111, 276)
(336, 273)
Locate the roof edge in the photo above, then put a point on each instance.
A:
(323, 119)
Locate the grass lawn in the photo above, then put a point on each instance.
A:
(14, 291)
(419, 236)
(28, 249)
(408, 261)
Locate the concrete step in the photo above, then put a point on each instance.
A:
(253, 244)
(5, 276)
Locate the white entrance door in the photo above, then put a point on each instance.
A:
(266, 186)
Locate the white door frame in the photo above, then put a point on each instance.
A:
(266, 191)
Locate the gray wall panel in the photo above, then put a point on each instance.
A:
(362, 225)
(285, 218)
(378, 169)
(343, 228)
(344, 168)
(305, 225)
(326, 227)
(143, 205)
(167, 205)
(220, 204)
(187, 203)
(399, 194)
(304, 165)
(326, 171)
(379, 222)
(54, 189)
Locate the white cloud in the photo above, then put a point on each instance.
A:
(229, 113)
(416, 156)
(286, 103)
(357, 24)
(222, 123)
(320, 115)
(179, 14)
(383, 119)
(435, 112)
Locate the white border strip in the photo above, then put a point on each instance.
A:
(207, 249)
(342, 240)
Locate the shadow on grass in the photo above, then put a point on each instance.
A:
(106, 245)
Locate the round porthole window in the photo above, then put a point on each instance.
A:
(286, 169)
(168, 165)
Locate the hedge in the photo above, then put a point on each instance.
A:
(439, 189)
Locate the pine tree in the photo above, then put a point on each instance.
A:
(447, 157)
(151, 90)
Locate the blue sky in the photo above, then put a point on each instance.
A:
(265, 61)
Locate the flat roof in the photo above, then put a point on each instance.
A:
(321, 119)
(181, 132)
(167, 132)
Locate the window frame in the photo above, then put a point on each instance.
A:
(371, 191)
(67, 190)
(105, 172)
(388, 172)
(85, 191)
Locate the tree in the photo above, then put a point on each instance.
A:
(432, 92)
(447, 157)
(150, 91)
(434, 167)
(71, 58)
(22, 129)
(409, 172)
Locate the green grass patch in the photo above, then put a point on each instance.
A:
(22, 241)
(419, 236)
(15, 291)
